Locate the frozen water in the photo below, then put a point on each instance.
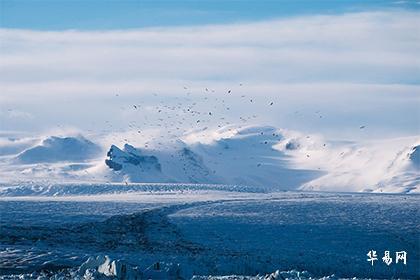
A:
(212, 233)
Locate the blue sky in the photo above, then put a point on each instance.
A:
(104, 15)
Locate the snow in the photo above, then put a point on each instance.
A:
(110, 268)
(102, 267)
(132, 163)
(152, 169)
(375, 166)
(90, 189)
(261, 157)
(414, 155)
(55, 149)
(245, 157)
(281, 160)
(201, 233)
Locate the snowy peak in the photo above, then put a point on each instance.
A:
(56, 149)
(233, 156)
(414, 156)
(173, 165)
(131, 157)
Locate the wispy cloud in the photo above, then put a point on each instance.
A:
(364, 47)
(308, 57)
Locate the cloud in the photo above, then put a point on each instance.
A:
(15, 114)
(381, 47)
(301, 60)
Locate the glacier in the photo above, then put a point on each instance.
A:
(203, 232)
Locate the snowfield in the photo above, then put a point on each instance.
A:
(252, 202)
(258, 156)
(193, 231)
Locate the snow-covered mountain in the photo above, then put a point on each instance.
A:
(260, 156)
(175, 164)
(56, 149)
(379, 166)
(277, 159)
(403, 172)
(236, 156)
(131, 163)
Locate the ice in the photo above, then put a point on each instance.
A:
(90, 189)
(110, 268)
(102, 267)
(201, 233)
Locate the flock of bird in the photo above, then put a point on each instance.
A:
(175, 116)
(197, 110)
(193, 111)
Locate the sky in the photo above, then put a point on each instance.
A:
(111, 14)
(328, 67)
